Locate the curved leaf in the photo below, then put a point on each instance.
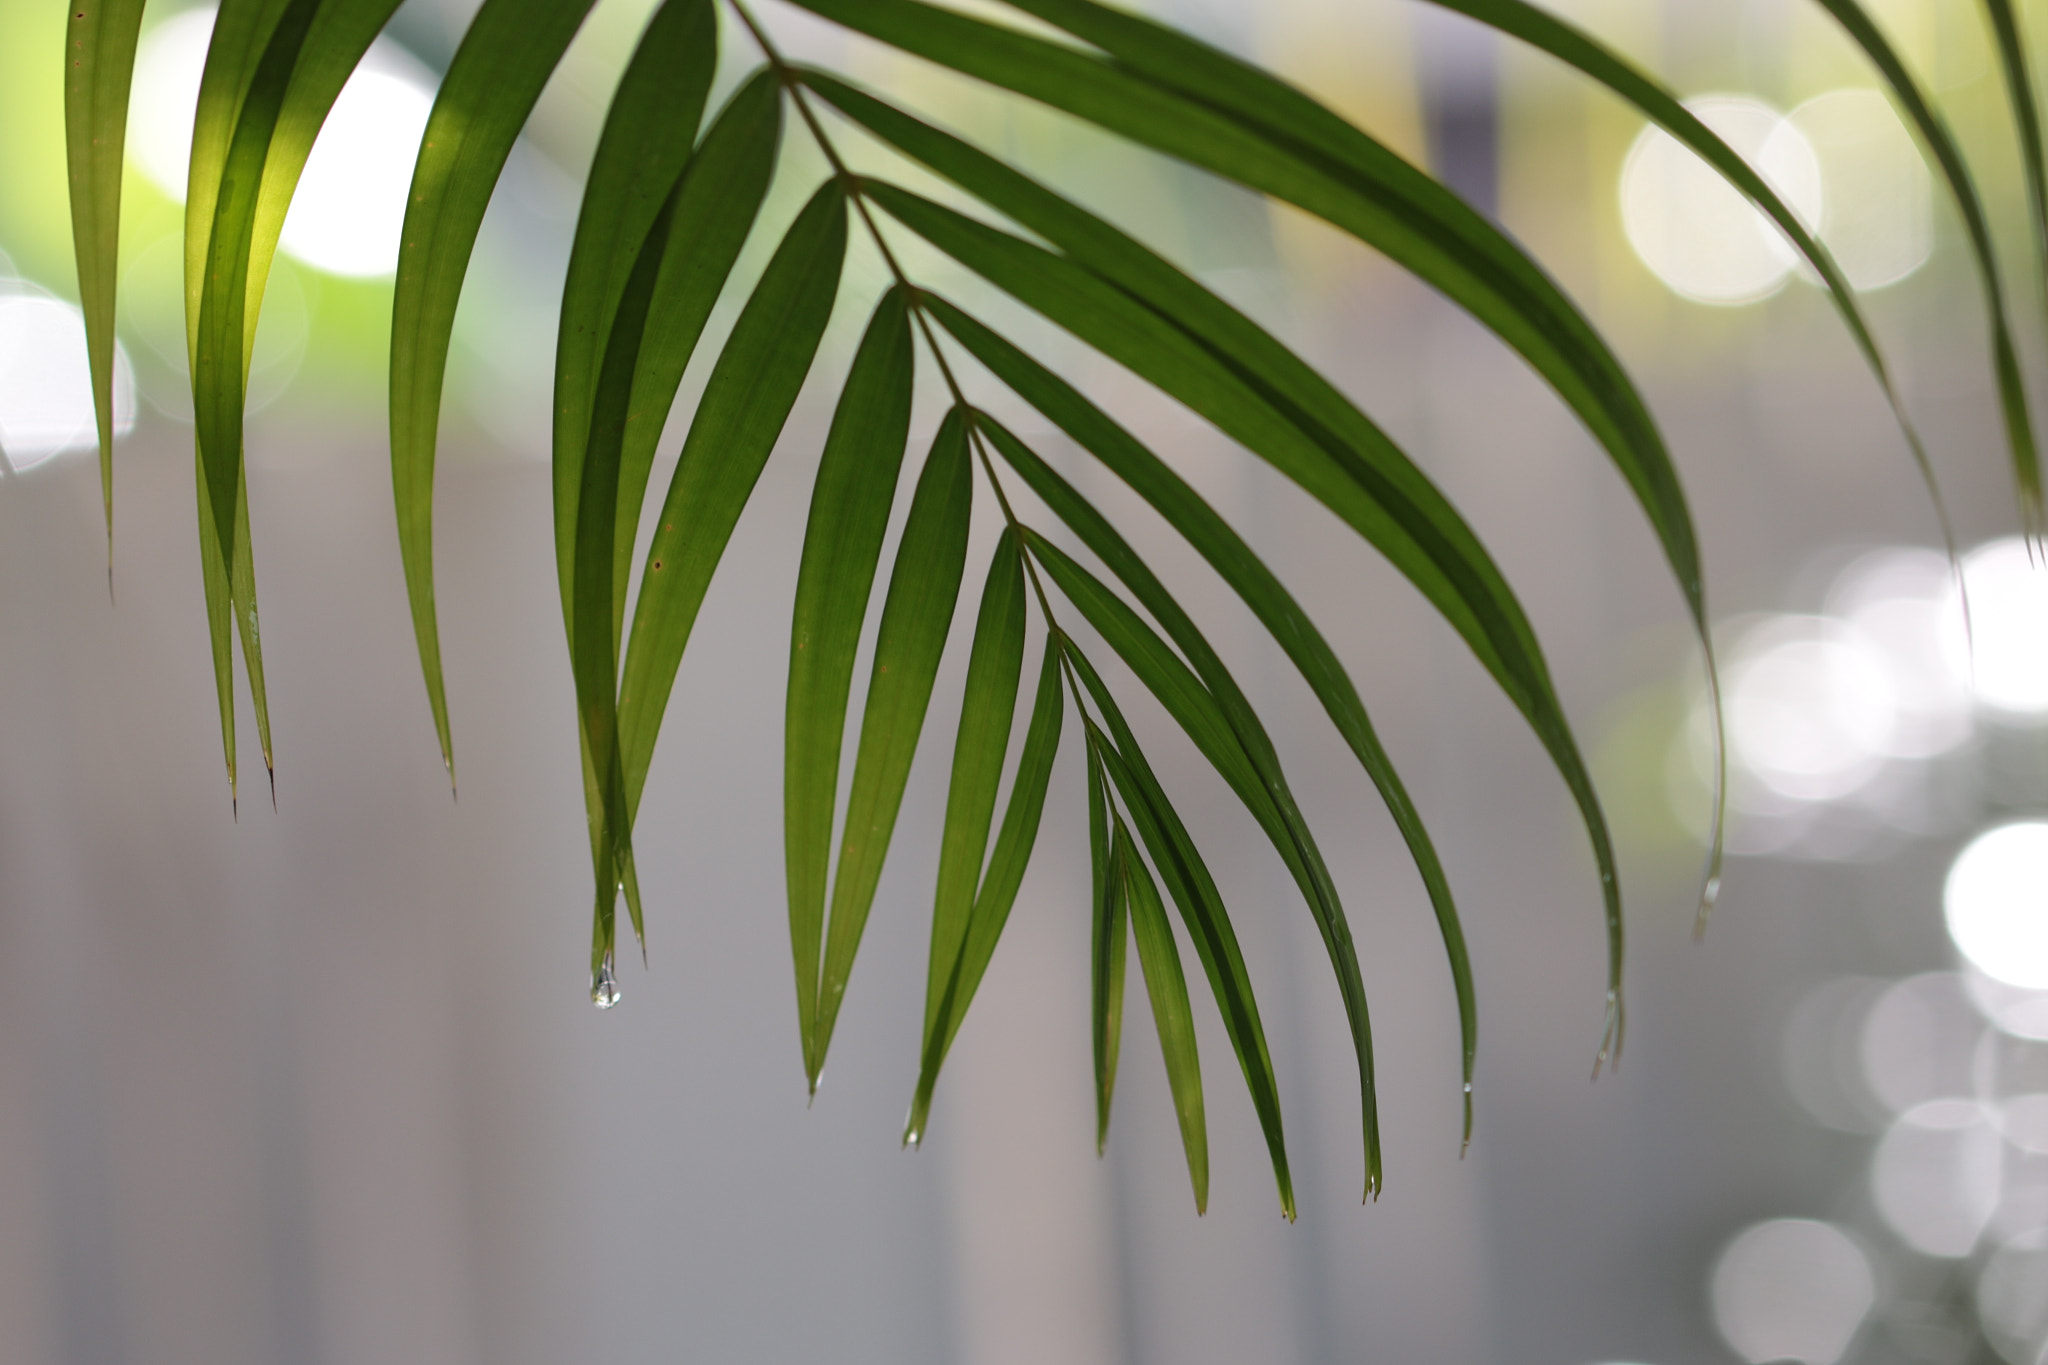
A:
(1094, 431)
(1000, 881)
(1941, 144)
(917, 615)
(1107, 934)
(1201, 909)
(2026, 118)
(495, 79)
(746, 401)
(1217, 716)
(648, 134)
(99, 49)
(1181, 97)
(1355, 471)
(1159, 957)
(988, 706)
(850, 501)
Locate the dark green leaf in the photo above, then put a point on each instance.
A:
(1354, 470)
(1208, 704)
(688, 253)
(745, 404)
(1201, 909)
(648, 133)
(1159, 956)
(917, 615)
(1094, 431)
(1106, 939)
(2026, 117)
(999, 883)
(507, 55)
(856, 485)
(988, 707)
(1941, 144)
(1179, 96)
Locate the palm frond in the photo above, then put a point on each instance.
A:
(670, 204)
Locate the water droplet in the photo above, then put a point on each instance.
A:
(604, 986)
(1711, 892)
(1468, 1087)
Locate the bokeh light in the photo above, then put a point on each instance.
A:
(349, 210)
(2014, 1010)
(1877, 219)
(1695, 231)
(1811, 707)
(2012, 1299)
(1936, 1176)
(1900, 600)
(46, 404)
(1919, 1042)
(2007, 662)
(1791, 1289)
(1996, 903)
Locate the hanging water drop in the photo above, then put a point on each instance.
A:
(604, 986)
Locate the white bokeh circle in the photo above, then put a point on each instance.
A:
(1694, 230)
(1791, 1289)
(1996, 903)
(46, 401)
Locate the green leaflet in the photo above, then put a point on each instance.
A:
(850, 501)
(1159, 956)
(1201, 909)
(917, 615)
(1093, 430)
(1215, 713)
(957, 978)
(648, 133)
(1000, 880)
(988, 706)
(507, 55)
(272, 74)
(2026, 117)
(99, 50)
(746, 401)
(716, 203)
(1184, 98)
(1365, 479)
(1106, 945)
(1561, 40)
(593, 639)
(1941, 144)
(684, 264)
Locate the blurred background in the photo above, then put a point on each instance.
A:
(323, 1083)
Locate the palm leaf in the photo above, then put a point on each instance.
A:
(1940, 143)
(988, 706)
(2026, 119)
(917, 615)
(1364, 479)
(99, 46)
(495, 79)
(850, 501)
(1106, 936)
(1201, 909)
(1000, 882)
(746, 401)
(1159, 957)
(1217, 716)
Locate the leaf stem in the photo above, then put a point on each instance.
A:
(855, 189)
